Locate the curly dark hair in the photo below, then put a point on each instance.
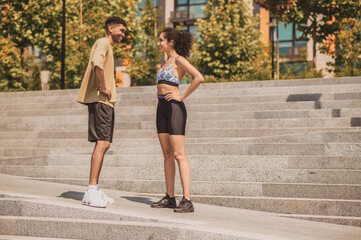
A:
(183, 40)
(114, 21)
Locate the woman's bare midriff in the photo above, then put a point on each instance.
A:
(164, 88)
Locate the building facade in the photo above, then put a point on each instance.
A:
(292, 48)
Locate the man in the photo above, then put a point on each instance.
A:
(98, 92)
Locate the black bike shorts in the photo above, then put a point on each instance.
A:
(171, 117)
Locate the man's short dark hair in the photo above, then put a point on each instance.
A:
(114, 21)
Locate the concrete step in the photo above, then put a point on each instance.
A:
(230, 85)
(317, 137)
(285, 149)
(310, 93)
(309, 206)
(292, 91)
(29, 200)
(99, 229)
(197, 161)
(345, 96)
(207, 86)
(343, 134)
(322, 191)
(206, 174)
(270, 149)
(74, 143)
(77, 109)
(194, 116)
(61, 102)
(9, 237)
(18, 206)
(151, 109)
(319, 100)
(350, 221)
(341, 122)
(245, 189)
(284, 207)
(196, 147)
(31, 208)
(6, 153)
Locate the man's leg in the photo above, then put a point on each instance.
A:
(94, 196)
(101, 125)
(99, 151)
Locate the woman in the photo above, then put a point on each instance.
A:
(172, 114)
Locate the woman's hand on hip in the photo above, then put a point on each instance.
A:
(173, 96)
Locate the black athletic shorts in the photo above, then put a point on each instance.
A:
(171, 117)
(101, 122)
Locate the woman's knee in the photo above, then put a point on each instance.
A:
(168, 155)
(180, 156)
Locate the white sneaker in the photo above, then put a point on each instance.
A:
(106, 198)
(93, 198)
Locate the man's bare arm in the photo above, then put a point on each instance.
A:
(102, 87)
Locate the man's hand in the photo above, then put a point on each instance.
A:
(106, 92)
(100, 75)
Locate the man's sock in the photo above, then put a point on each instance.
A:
(98, 187)
(92, 187)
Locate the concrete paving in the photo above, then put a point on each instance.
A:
(34, 206)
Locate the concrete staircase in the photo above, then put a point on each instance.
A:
(289, 147)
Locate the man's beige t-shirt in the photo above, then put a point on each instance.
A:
(101, 56)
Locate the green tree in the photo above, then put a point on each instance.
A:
(12, 75)
(229, 45)
(277, 8)
(30, 23)
(319, 19)
(347, 54)
(82, 30)
(146, 53)
(37, 23)
(17, 24)
(35, 80)
(297, 70)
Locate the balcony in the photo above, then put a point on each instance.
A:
(292, 53)
(179, 16)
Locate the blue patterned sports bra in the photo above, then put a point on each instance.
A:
(166, 76)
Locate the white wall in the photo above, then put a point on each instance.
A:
(169, 7)
(321, 59)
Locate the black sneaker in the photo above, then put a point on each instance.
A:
(185, 206)
(166, 202)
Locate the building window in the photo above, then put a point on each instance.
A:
(141, 4)
(191, 28)
(193, 7)
(186, 12)
(290, 43)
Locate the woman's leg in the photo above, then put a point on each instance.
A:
(169, 164)
(178, 145)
